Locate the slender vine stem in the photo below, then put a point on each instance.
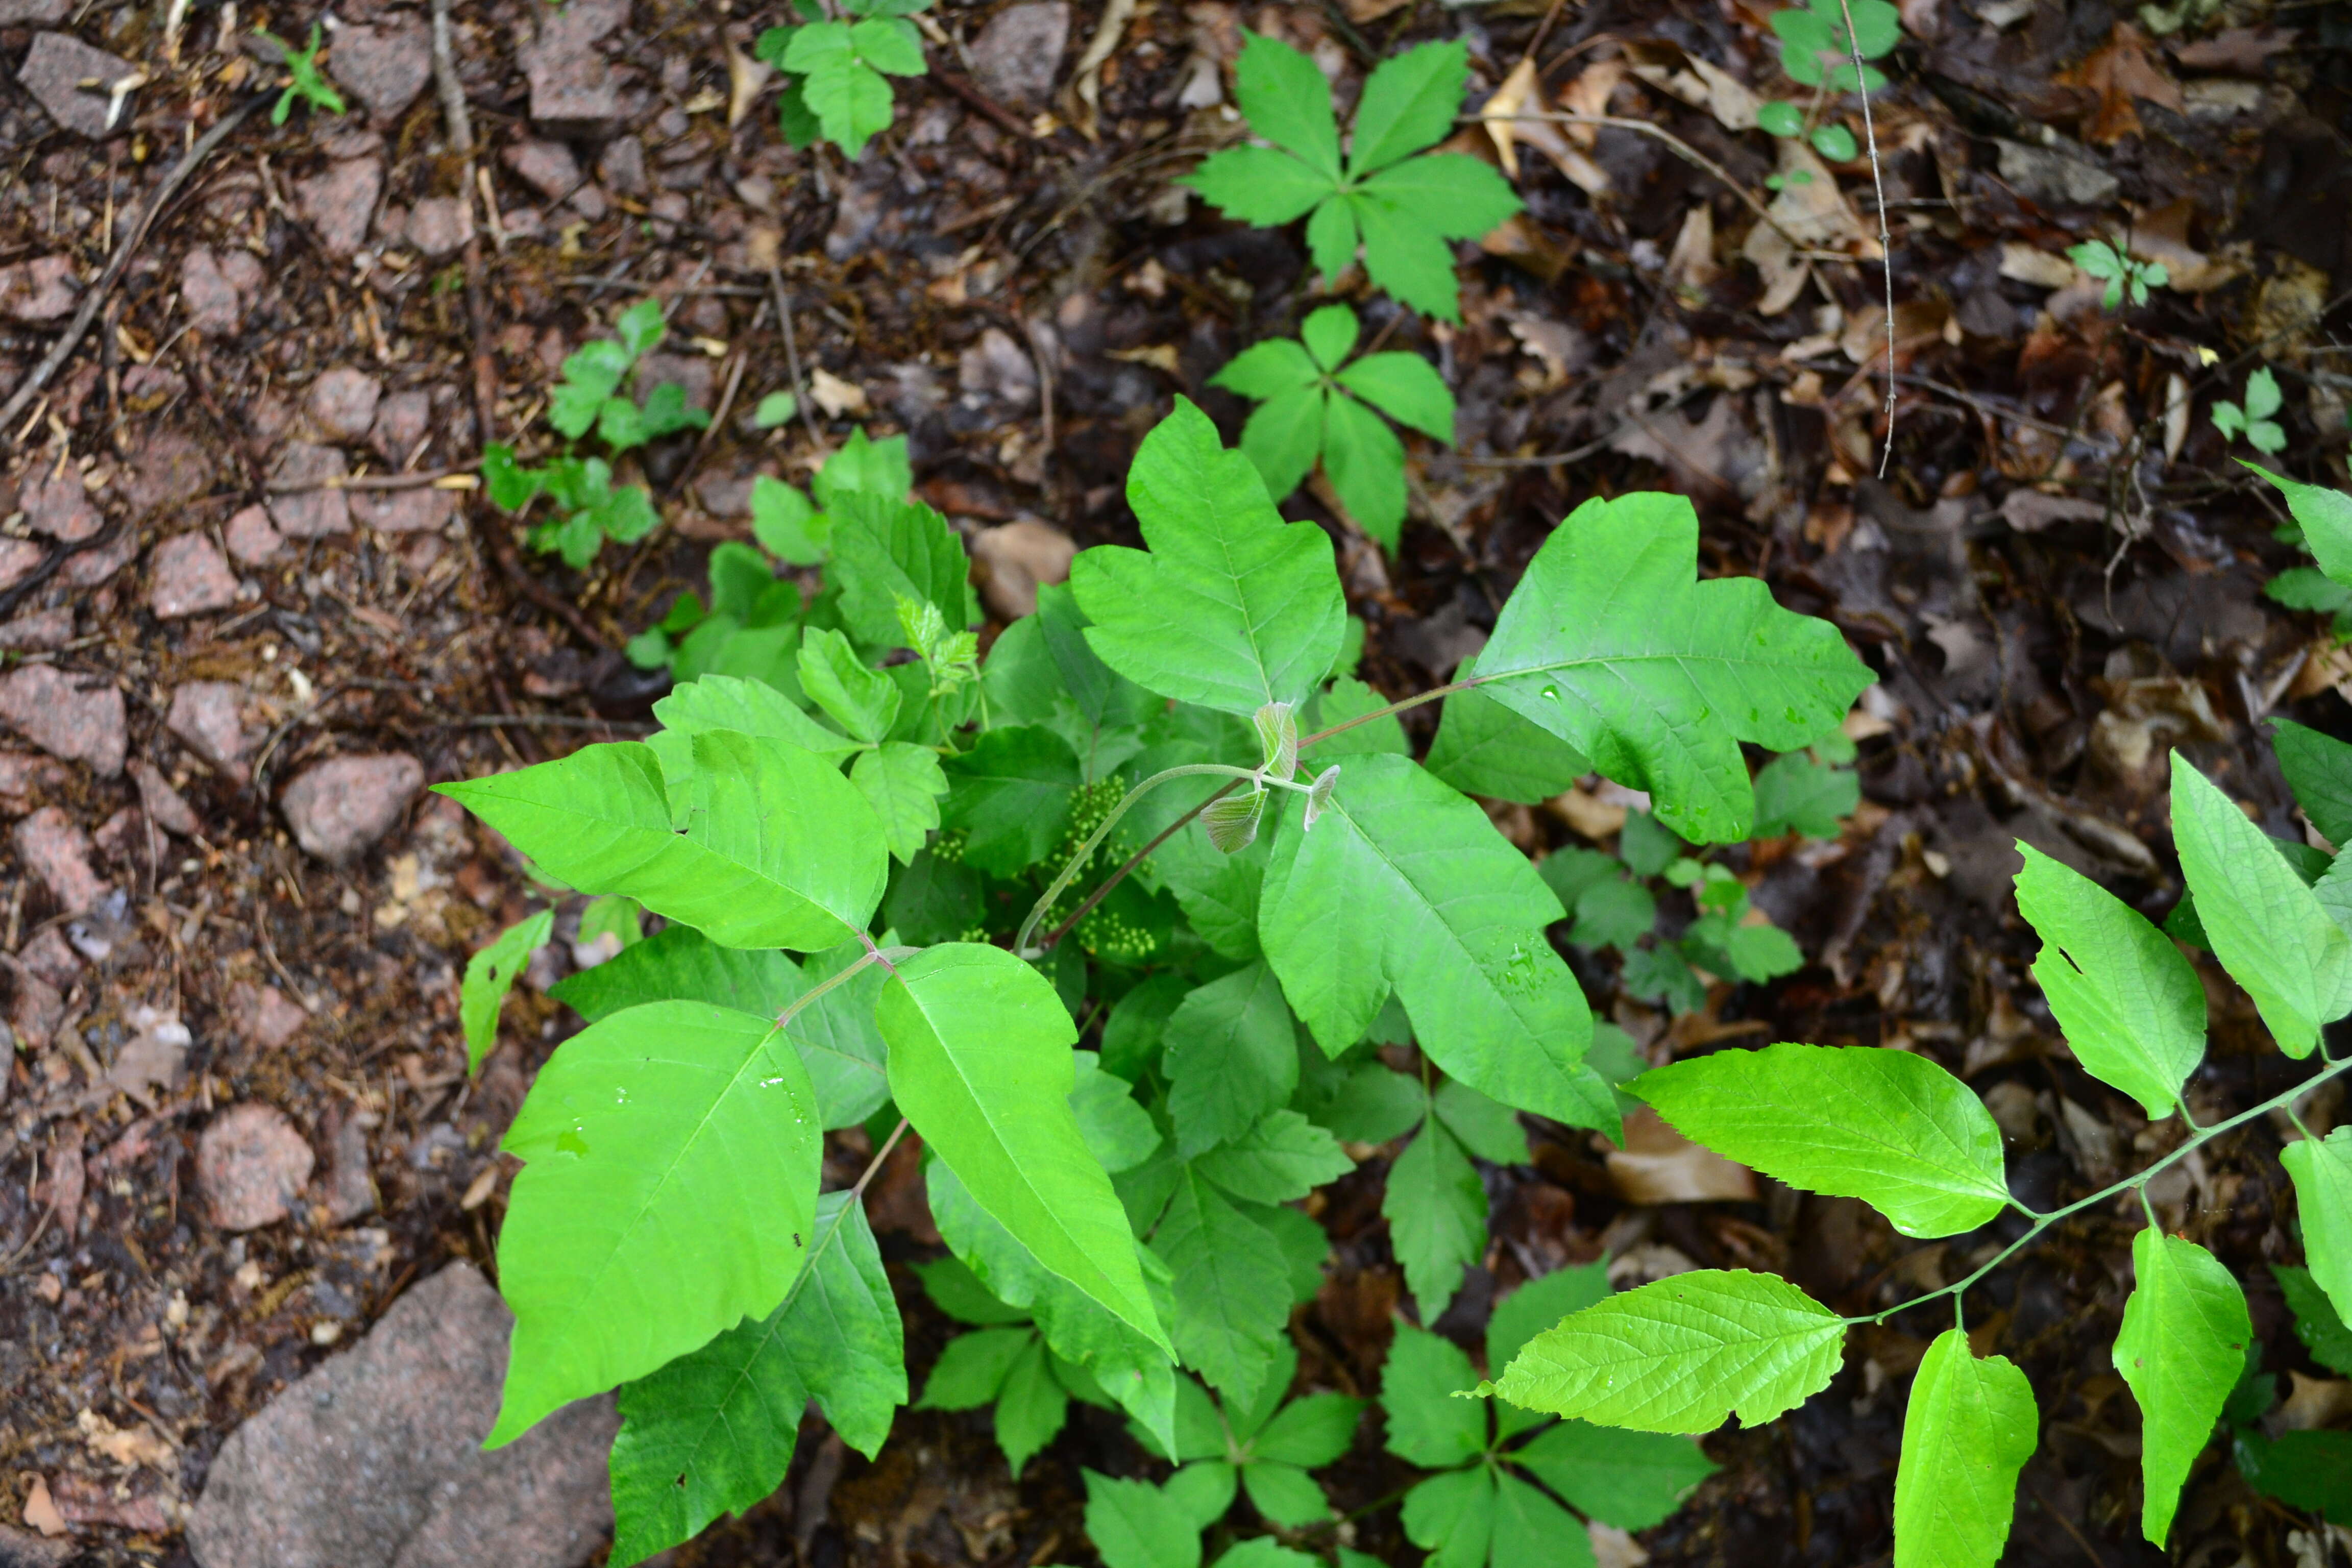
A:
(2137, 1184)
(873, 955)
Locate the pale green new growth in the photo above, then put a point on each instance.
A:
(1887, 1127)
(2181, 1349)
(1969, 1428)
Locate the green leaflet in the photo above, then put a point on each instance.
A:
(1135, 1524)
(753, 707)
(1231, 1055)
(1231, 1288)
(1537, 1306)
(627, 1241)
(2317, 1324)
(1428, 1425)
(885, 549)
(777, 851)
(1454, 1515)
(1630, 1479)
(1232, 607)
(1031, 1406)
(1887, 1127)
(2322, 1170)
(1283, 1157)
(2267, 929)
(903, 784)
(490, 975)
(1969, 1428)
(1218, 892)
(1609, 644)
(1012, 793)
(1795, 794)
(2318, 768)
(1117, 1129)
(1680, 1354)
(838, 1040)
(2182, 1348)
(2131, 1005)
(1128, 1367)
(971, 1368)
(2326, 516)
(712, 1432)
(1529, 1527)
(1403, 882)
(980, 1063)
(1436, 1209)
(1483, 748)
(2310, 1470)
(861, 700)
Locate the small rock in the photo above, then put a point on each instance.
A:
(76, 717)
(622, 167)
(18, 557)
(691, 373)
(56, 851)
(2050, 177)
(348, 1189)
(205, 714)
(39, 14)
(343, 402)
(401, 421)
(119, 833)
(43, 629)
(39, 290)
(1018, 558)
(403, 512)
(215, 304)
(385, 67)
(22, 1548)
(251, 1164)
(549, 168)
(172, 466)
(1017, 56)
(36, 1011)
(190, 577)
(87, 568)
(263, 1016)
(375, 1458)
(57, 504)
(251, 538)
(342, 806)
(25, 778)
(148, 387)
(48, 954)
(53, 72)
(85, 1501)
(340, 203)
(438, 225)
(165, 807)
(572, 93)
(313, 513)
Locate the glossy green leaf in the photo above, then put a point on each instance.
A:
(2322, 1172)
(1888, 1127)
(1681, 1353)
(1630, 1479)
(1408, 212)
(885, 549)
(2324, 515)
(903, 783)
(2318, 768)
(1483, 748)
(2324, 1330)
(956, 1290)
(1116, 1127)
(712, 1432)
(861, 700)
(1427, 1425)
(1281, 1158)
(2131, 1005)
(1436, 1209)
(1329, 334)
(1969, 1428)
(1231, 1056)
(1012, 793)
(1407, 388)
(1537, 1305)
(973, 1367)
(1404, 883)
(1231, 1288)
(1030, 1408)
(778, 849)
(2181, 1349)
(1230, 607)
(1611, 644)
(490, 975)
(1259, 185)
(627, 1244)
(980, 1063)
(1267, 370)
(2264, 925)
(1452, 1514)
(1135, 1524)
(1365, 463)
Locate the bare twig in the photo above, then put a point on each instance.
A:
(1681, 148)
(460, 478)
(95, 297)
(1886, 241)
(792, 357)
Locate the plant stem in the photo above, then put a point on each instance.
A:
(873, 955)
(1086, 851)
(2138, 1184)
(1431, 695)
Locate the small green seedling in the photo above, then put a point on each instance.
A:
(1832, 141)
(2126, 276)
(776, 408)
(587, 509)
(1817, 50)
(2252, 420)
(840, 90)
(303, 80)
(1400, 209)
(1308, 396)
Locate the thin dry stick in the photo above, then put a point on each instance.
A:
(806, 395)
(1681, 149)
(1886, 241)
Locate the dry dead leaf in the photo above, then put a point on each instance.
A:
(1612, 1548)
(1727, 98)
(1590, 94)
(124, 1445)
(2022, 263)
(2316, 1402)
(2124, 69)
(1659, 1165)
(1784, 273)
(41, 1509)
(1504, 108)
(835, 396)
(1691, 264)
(745, 77)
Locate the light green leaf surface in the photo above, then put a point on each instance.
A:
(1409, 102)
(2318, 768)
(861, 700)
(1610, 643)
(1012, 793)
(1115, 1126)
(1259, 185)
(1232, 607)
(1681, 1353)
(1231, 1288)
(1531, 1528)
(1453, 1515)
(627, 1244)
(1969, 1428)
(2182, 1350)
(2263, 924)
(973, 1367)
(1407, 388)
(1365, 463)
(1231, 1056)
(903, 783)
(1537, 1305)
(1436, 1209)
(2131, 1005)
(490, 975)
(1285, 1495)
(1890, 1128)
(2323, 1330)
(1427, 1425)
(1030, 1408)
(1403, 882)
(1310, 1432)
(884, 548)
(1218, 892)
(1483, 748)
(1135, 1524)
(2326, 516)
(1282, 1158)
(681, 964)
(1630, 1479)
(1486, 1128)
(712, 1432)
(1289, 102)
(980, 1062)
(2322, 1172)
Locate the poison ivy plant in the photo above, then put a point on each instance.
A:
(1312, 400)
(839, 68)
(1899, 1132)
(1400, 210)
(586, 508)
(2126, 276)
(1125, 922)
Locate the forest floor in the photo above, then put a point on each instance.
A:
(235, 1125)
